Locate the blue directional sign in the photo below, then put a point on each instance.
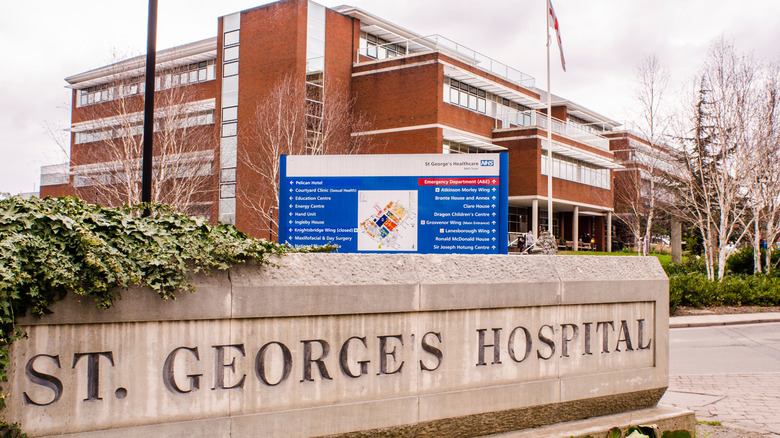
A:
(419, 203)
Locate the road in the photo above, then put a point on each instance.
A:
(729, 374)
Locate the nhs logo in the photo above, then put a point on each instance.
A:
(487, 162)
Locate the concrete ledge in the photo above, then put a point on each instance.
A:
(341, 284)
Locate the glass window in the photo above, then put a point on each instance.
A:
(229, 129)
(481, 105)
(454, 95)
(229, 113)
(227, 191)
(230, 69)
(231, 38)
(464, 99)
(231, 54)
(231, 22)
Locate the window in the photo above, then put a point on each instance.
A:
(231, 38)
(229, 114)
(229, 129)
(182, 75)
(451, 147)
(231, 54)
(464, 95)
(227, 191)
(109, 132)
(230, 69)
(378, 48)
(577, 171)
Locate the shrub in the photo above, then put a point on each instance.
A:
(689, 266)
(694, 290)
(50, 247)
(741, 262)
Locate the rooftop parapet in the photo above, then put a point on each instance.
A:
(438, 43)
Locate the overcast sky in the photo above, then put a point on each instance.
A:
(603, 40)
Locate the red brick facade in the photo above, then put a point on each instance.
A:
(404, 99)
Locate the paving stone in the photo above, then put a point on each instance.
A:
(750, 402)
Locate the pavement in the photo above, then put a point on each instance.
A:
(747, 403)
(715, 320)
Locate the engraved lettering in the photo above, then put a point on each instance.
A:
(168, 378)
(260, 363)
(43, 379)
(93, 371)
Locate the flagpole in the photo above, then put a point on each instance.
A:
(549, 129)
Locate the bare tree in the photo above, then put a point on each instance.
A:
(290, 120)
(715, 153)
(107, 151)
(765, 170)
(640, 183)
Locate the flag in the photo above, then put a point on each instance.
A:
(552, 21)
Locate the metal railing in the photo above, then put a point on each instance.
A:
(55, 174)
(438, 43)
(573, 131)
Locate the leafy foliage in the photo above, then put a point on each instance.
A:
(645, 432)
(51, 247)
(741, 262)
(695, 290)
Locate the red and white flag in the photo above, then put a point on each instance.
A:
(552, 21)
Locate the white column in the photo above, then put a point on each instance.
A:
(575, 228)
(609, 231)
(535, 217)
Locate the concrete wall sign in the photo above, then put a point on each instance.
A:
(329, 344)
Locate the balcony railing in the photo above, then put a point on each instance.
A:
(55, 174)
(573, 131)
(438, 43)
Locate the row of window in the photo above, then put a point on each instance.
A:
(480, 101)
(227, 171)
(189, 74)
(379, 48)
(585, 125)
(577, 171)
(108, 133)
(451, 147)
(462, 94)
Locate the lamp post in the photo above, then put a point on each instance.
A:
(148, 150)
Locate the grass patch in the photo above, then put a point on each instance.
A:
(709, 423)
(665, 259)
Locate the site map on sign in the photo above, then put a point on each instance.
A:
(389, 220)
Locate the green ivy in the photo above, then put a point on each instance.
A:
(51, 247)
